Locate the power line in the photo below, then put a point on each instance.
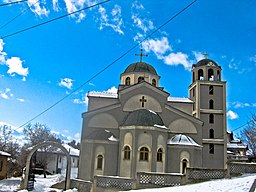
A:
(22, 12)
(112, 63)
(14, 2)
(56, 18)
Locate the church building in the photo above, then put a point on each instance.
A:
(142, 128)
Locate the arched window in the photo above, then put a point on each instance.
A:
(184, 166)
(200, 74)
(211, 148)
(99, 162)
(210, 75)
(211, 118)
(127, 153)
(127, 81)
(211, 133)
(160, 155)
(218, 75)
(211, 104)
(140, 79)
(144, 153)
(154, 82)
(211, 90)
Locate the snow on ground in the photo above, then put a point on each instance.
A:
(41, 185)
(237, 184)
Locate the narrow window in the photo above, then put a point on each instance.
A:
(144, 154)
(1, 166)
(184, 166)
(211, 104)
(140, 79)
(210, 75)
(160, 155)
(127, 153)
(211, 118)
(211, 90)
(154, 82)
(218, 75)
(127, 81)
(193, 76)
(211, 148)
(99, 162)
(200, 74)
(211, 133)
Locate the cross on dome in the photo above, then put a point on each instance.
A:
(141, 55)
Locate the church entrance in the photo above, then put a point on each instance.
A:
(184, 166)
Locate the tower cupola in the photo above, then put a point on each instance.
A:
(207, 70)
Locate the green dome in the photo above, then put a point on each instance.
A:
(140, 67)
(204, 62)
(143, 117)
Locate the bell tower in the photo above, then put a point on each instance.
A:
(208, 92)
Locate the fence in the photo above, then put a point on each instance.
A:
(205, 174)
(238, 168)
(113, 183)
(149, 179)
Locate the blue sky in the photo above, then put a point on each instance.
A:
(40, 66)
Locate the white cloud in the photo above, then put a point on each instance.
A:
(113, 20)
(83, 101)
(158, 46)
(143, 24)
(253, 58)
(232, 115)
(178, 59)
(66, 82)
(21, 100)
(6, 94)
(238, 104)
(198, 55)
(15, 66)
(37, 7)
(112, 90)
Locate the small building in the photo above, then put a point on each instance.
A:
(3, 164)
(236, 150)
(57, 160)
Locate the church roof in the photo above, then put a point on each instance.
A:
(182, 140)
(204, 62)
(179, 99)
(104, 135)
(143, 117)
(104, 94)
(140, 67)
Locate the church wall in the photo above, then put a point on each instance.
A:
(144, 91)
(86, 164)
(216, 126)
(99, 102)
(126, 139)
(161, 144)
(218, 93)
(111, 159)
(216, 160)
(185, 107)
(176, 153)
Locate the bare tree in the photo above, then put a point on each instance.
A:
(248, 135)
(9, 144)
(36, 134)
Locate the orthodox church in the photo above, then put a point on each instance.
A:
(142, 128)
